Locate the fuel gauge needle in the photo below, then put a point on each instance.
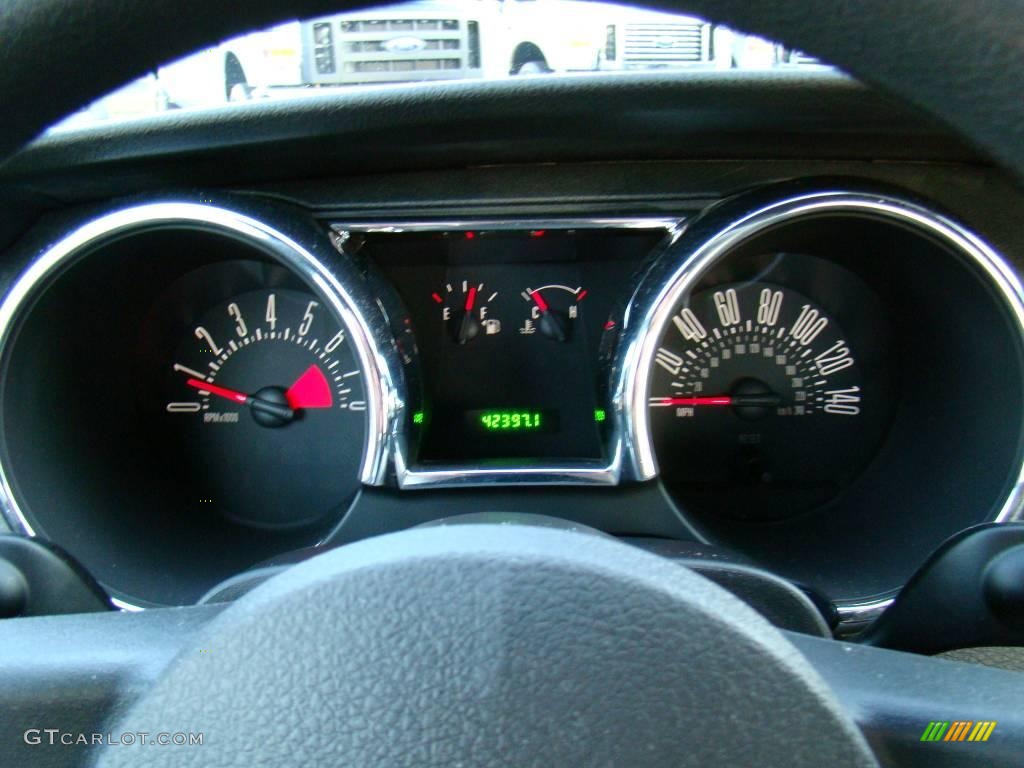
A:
(468, 328)
(257, 404)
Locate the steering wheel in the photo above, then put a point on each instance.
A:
(514, 645)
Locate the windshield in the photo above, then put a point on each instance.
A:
(441, 40)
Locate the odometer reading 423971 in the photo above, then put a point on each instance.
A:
(755, 387)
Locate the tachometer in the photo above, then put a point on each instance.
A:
(265, 395)
(215, 395)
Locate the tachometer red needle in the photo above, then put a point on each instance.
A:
(670, 401)
(470, 299)
(213, 389)
(539, 301)
(278, 410)
(310, 390)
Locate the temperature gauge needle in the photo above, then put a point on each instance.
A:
(278, 410)
(550, 323)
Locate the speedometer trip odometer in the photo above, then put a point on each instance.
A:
(759, 407)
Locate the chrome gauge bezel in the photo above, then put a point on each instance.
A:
(283, 236)
(670, 280)
(607, 472)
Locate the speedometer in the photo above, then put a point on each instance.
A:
(805, 373)
(757, 391)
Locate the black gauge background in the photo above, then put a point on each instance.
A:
(953, 451)
(83, 461)
(842, 445)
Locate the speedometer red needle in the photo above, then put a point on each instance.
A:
(470, 299)
(670, 401)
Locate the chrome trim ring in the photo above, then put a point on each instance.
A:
(580, 473)
(668, 282)
(509, 225)
(369, 333)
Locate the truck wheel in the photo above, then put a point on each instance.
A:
(534, 68)
(239, 92)
(236, 86)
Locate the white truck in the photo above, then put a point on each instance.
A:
(538, 36)
(397, 43)
(639, 39)
(431, 40)
(235, 70)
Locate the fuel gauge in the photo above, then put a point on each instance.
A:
(466, 312)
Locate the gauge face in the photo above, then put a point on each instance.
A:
(552, 311)
(466, 310)
(265, 400)
(759, 405)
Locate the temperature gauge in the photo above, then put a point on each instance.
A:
(553, 310)
(466, 312)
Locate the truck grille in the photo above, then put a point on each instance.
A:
(372, 26)
(402, 65)
(388, 50)
(660, 44)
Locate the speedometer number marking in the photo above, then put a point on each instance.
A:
(835, 358)
(688, 325)
(728, 306)
(768, 307)
(808, 325)
(670, 361)
(843, 402)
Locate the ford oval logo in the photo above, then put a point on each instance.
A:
(405, 45)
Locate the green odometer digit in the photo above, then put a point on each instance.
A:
(503, 421)
(513, 420)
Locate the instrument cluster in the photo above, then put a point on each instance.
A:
(815, 378)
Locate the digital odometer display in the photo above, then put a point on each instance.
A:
(512, 421)
(508, 325)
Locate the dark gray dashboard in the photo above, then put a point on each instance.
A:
(662, 148)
